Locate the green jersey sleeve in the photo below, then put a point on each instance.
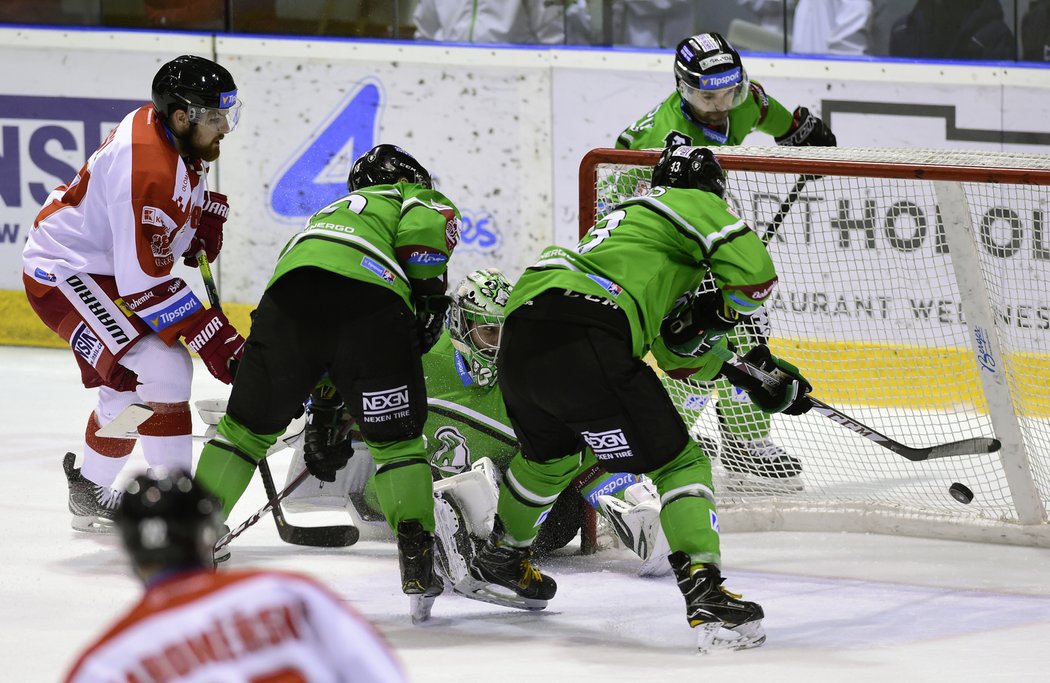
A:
(669, 123)
(427, 233)
(650, 250)
(384, 235)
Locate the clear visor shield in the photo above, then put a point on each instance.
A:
(712, 101)
(219, 120)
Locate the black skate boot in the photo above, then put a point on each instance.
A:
(722, 620)
(415, 551)
(93, 506)
(762, 463)
(510, 567)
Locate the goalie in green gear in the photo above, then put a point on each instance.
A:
(579, 323)
(715, 104)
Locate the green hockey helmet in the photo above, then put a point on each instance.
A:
(475, 321)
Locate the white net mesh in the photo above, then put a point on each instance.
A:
(869, 307)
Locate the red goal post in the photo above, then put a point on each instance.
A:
(915, 294)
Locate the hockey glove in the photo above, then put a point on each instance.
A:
(788, 396)
(217, 342)
(327, 446)
(696, 323)
(209, 229)
(807, 131)
(430, 318)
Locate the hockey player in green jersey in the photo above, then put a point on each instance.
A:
(579, 322)
(716, 104)
(358, 295)
(467, 422)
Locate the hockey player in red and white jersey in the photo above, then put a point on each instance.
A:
(196, 624)
(97, 270)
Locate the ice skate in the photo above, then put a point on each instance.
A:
(415, 551)
(505, 568)
(760, 465)
(722, 620)
(93, 506)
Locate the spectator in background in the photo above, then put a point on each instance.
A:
(652, 23)
(953, 29)
(537, 22)
(1035, 32)
(831, 27)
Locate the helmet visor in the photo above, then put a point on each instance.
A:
(218, 120)
(714, 101)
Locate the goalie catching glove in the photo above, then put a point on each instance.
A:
(697, 322)
(787, 393)
(217, 342)
(807, 131)
(327, 445)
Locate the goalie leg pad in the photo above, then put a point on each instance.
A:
(636, 521)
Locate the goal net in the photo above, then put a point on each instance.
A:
(915, 295)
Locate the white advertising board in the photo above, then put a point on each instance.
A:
(502, 130)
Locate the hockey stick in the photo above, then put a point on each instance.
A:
(123, 426)
(272, 504)
(785, 206)
(745, 375)
(337, 536)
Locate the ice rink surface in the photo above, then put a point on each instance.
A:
(839, 607)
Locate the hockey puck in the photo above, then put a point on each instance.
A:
(961, 493)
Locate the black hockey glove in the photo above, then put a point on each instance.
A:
(430, 318)
(788, 396)
(696, 323)
(327, 445)
(807, 131)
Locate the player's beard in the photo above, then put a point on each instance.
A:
(195, 145)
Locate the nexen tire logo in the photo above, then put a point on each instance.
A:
(383, 402)
(608, 445)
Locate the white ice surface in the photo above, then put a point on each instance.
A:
(839, 607)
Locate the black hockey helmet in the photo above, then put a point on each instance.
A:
(691, 168)
(385, 165)
(204, 89)
(706, 63)
(168, 521)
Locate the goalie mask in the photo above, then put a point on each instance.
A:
(386, 165)
(169, 521)
(475, 321)
(694, 168)
(204, 89)
(711, 78)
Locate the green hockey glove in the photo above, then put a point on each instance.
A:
(696, 323)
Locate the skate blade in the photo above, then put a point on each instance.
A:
(754, 484)
(419, 607)
(470, 587)
(716, 637)
(93, 525)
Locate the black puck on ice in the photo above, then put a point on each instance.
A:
(960, 493)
